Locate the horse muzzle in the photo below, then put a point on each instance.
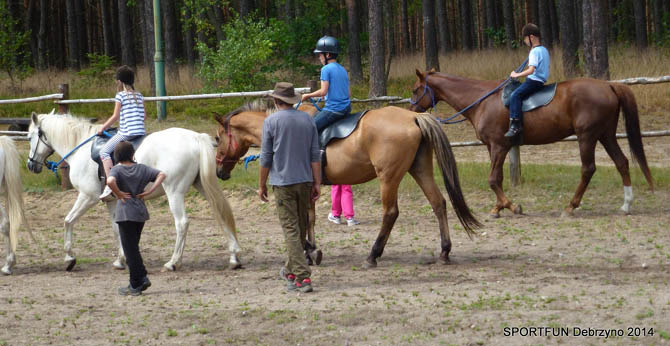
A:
(222, 174)
(34, 166)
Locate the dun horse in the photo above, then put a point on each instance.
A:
(588, 108)
(12, 191)
(186, 158)
(386, 144)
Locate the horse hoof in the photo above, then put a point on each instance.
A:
(118, 265)
(625, 211)
(369, 264)
(6, 270)
(567, 213)
(316, 256)
(71, 264)
(518, 210)
(235, 266)
(494, 215)
(169, 267)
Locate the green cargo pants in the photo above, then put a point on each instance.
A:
(293, 203)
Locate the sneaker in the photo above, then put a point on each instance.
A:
(305, 286)
(129, 291)
(333, 219)
(352, 222)
(145, 284)
(106, 195)
(285, 275)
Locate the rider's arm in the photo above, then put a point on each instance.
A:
(114, 118)
(527, 72)
(319, 93)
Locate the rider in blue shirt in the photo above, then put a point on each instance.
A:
(334, 85)
(537, 74)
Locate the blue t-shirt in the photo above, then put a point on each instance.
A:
(539, 57)
(337, 99)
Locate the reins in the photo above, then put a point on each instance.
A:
(53, 166)
(427, 88)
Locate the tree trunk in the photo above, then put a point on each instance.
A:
(107, 35)
(466, 25)
(216, 18)
(553, 18)
(189, 38)
(442, 25)
(376, 29)
(508, 15)
(42, 36)
(545, 23)
(290, 10)
(389, 26)
(73, 47)
(490, 10)
(126, 35)
(355, 68)
(658, 20)
(246, 6)
(639, 7)
(404, 32)
(171, 39)
(569, 41)
(82, 37)
(532, 12)
(429, 37)
(595, 40)
(146, 8)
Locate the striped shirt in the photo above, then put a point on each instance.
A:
(132, 113)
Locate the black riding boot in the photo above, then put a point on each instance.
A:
(515, 128)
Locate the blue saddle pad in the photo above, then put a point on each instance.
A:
(341, 128)
(100, 141)
(538, 99)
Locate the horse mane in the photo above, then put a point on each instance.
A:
(258, 105)
(78, 128)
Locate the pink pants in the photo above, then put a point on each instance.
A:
(343, 201)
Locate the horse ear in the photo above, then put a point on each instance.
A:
(218, 118)
(33, 117)
(419, 75)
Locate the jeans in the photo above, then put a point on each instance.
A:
(325, 118)
(293, 203)
(342, 199)
(521, 93)
(130, 232)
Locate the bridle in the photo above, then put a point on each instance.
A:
(231, 143)
(426, 90)
(41, 138)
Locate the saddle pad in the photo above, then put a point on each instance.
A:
(100, 141)
(341, 128)
(540, 98)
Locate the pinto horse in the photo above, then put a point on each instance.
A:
(586, 107)
(386, 144)
(186, 158)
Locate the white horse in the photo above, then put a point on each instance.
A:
(186, 157)
(12, 191)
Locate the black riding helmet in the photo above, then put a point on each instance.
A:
(530, 29)
(327, 44)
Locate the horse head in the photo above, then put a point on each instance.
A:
(230, 145)
(40, 149)
(423, 96)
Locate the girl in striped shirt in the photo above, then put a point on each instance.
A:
(129, 110)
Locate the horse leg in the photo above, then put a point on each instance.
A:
(4, 229)
(389, 194)
(587, 149)
(83, 203)
(422, 173)
(614, 151)
(312, 252)
(495, 182)
(176, 201)
(120, 262)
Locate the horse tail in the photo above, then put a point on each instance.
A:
(432, 132)
(12, 182)
(210, 186)
(632, 120)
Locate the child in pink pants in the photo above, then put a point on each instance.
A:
(342, 204)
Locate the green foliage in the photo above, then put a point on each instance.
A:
(242, 60)
(499, 36)
(100, 69)
(14, 55)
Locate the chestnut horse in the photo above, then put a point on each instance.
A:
(586, 107)
(386, 144)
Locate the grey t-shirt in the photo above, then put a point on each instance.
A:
(132, 179)
(288, 147)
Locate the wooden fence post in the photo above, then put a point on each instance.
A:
(64, 168)
(515, 165)
(311, 84)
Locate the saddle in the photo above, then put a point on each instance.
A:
(100, 141)
(538, 99)
(337, 130)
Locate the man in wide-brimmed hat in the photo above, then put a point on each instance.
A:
(290, 157)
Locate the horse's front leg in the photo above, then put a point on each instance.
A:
(120, 262)
(495, 182)
(4, 229)
(83, 203)
(181, 222)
